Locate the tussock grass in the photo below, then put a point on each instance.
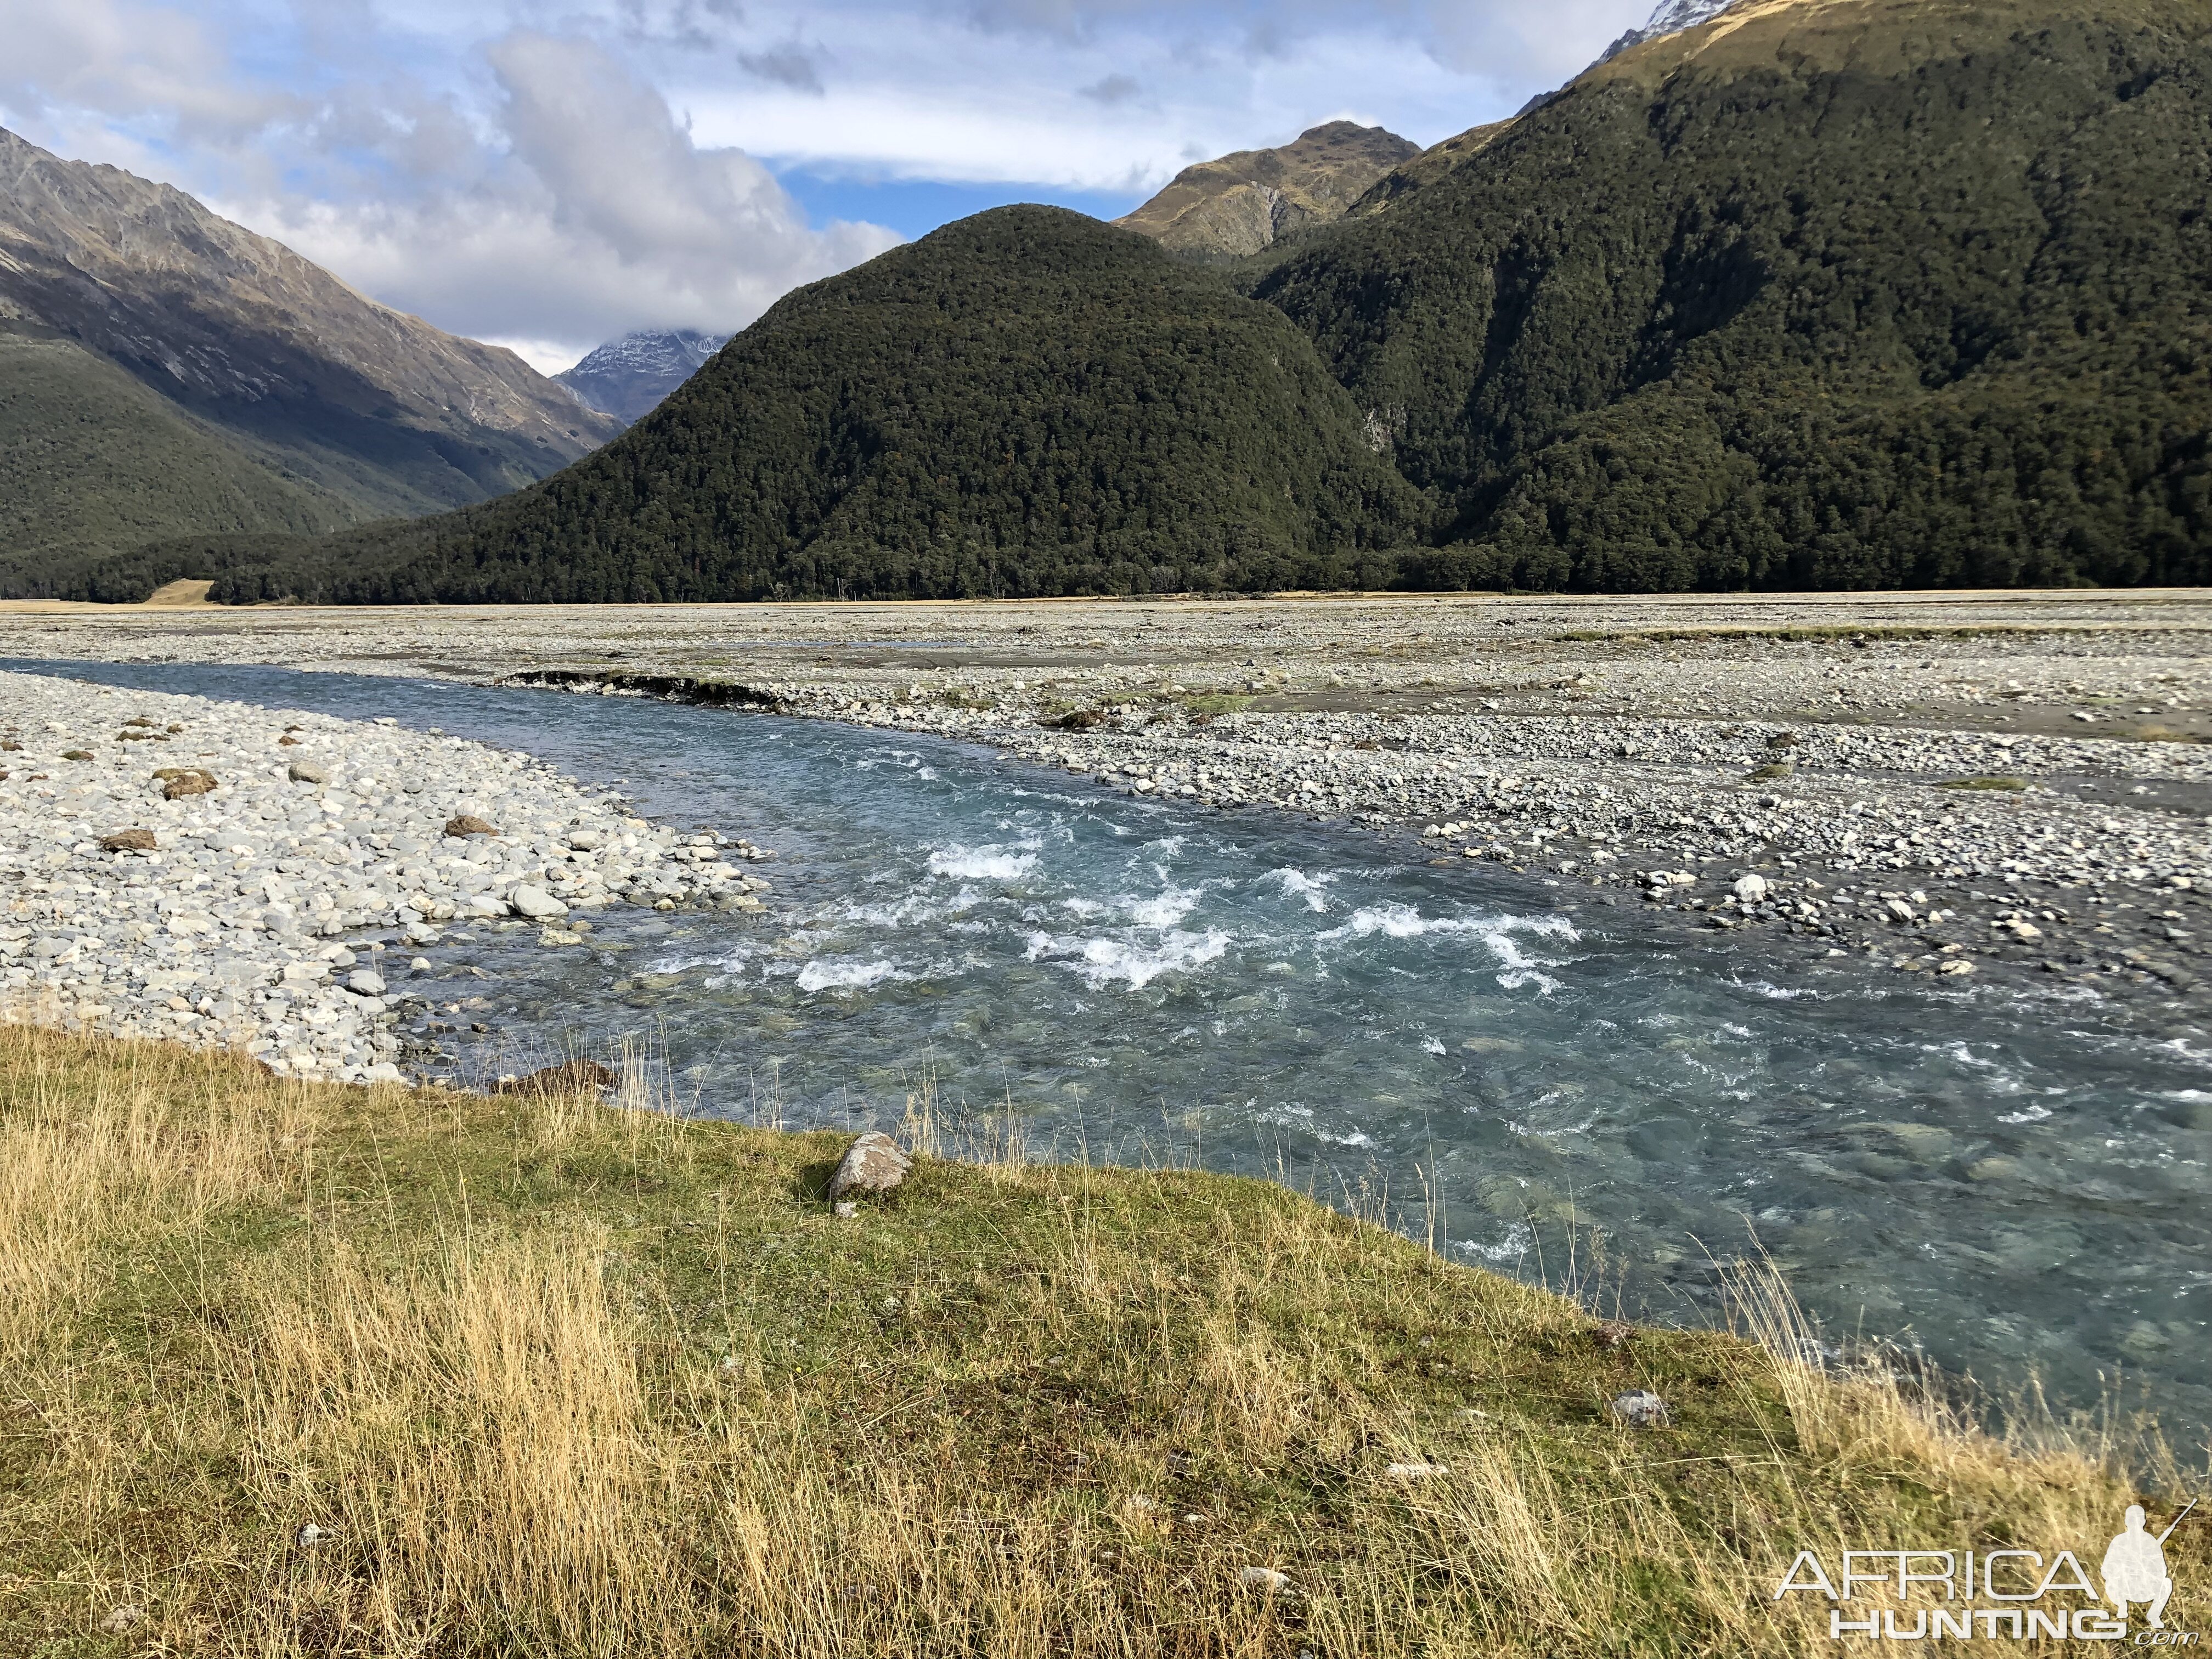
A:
(554, 1379)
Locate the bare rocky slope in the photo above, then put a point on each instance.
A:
(363, 410)
(1241, 204)
(627, 377)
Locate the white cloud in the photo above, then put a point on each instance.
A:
(556, 185)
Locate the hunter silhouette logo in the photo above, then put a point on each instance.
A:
(1999, 1593)
(2135, 1567)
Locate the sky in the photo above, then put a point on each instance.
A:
(548, 177)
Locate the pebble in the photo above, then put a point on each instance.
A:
(252, 914)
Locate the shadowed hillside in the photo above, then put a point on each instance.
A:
(1817, 294)
(1858, 294)
(269, 396)
(1027, 402)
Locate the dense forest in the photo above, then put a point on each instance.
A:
(1855, 295)
(1866, 294)
(94, 464)
(1025, 401)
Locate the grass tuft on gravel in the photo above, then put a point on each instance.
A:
(551, 1377)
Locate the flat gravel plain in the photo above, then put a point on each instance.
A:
(2003, 784)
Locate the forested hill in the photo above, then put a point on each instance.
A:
(1027, 401)
(1860, 294)
(1829, 292)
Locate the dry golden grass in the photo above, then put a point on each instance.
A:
(550, 1378)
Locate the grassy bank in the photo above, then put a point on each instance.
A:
(552, 1378)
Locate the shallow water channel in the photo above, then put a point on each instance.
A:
(1546, 1083)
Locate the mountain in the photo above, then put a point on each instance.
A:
(1858, 293)
(1241, 204)
(1670, 17)
(627, 378)
(1025, 401)
(95, 462)
(345, 409)
(1844, 293)
(1424, 169)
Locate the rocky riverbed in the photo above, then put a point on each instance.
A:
(2001, 783)
(215, 872)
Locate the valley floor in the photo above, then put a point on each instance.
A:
(1995, 783)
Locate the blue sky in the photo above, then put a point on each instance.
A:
(914, 207)
(550, 176)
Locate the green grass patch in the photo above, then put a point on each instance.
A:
(1214, 703)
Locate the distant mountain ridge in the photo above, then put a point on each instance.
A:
(1240, 204)
(348, 410)
(627, 378)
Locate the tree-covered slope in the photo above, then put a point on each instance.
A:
(1844, 294)
(1818, 293)
(94, 462)
(1025, 401)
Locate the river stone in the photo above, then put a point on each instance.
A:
(1640, 1408)
(365, 981)
(179, 781)
(128, 840)
(536, 903)
(872, 1163)
(302, 771)
(1750, 889)
(468, 824)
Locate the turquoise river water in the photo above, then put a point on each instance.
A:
(2016, 1186)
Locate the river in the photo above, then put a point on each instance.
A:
(1545, 1083)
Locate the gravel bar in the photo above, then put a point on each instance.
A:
(215, 873)
(2007, 784)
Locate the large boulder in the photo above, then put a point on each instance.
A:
(872, 1163)
(536, 903)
